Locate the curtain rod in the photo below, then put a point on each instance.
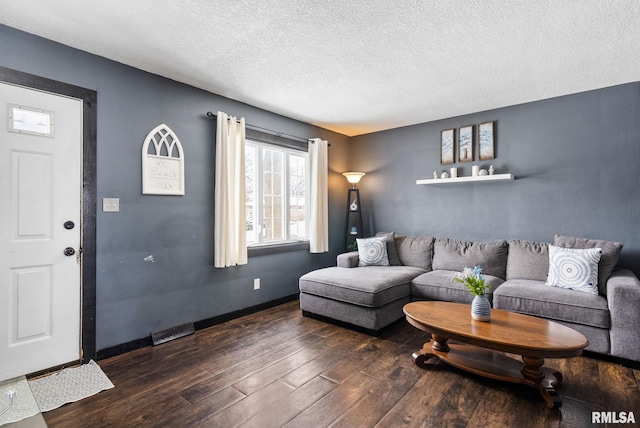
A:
(259, 128)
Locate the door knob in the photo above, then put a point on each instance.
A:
(69, 225)
(69, 251)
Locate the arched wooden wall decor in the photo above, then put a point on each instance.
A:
(162, 163)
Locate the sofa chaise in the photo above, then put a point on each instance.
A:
(424, 268)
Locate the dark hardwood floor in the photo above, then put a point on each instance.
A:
(277, 368)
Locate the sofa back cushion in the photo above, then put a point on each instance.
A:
(415, 251)
(452, 254)
(528, 260)
(392, 252)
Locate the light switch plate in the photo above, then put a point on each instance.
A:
(110, 205)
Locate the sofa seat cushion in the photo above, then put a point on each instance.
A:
(371, 286)
(442, 285)
(535, 298)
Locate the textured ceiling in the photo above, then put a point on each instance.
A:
(357, 66)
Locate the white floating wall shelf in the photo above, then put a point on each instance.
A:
(495, 177)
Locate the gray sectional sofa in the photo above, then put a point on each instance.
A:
(424, 268)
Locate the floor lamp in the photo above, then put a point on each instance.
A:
(353, 221)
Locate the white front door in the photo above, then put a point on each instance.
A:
(40, 214)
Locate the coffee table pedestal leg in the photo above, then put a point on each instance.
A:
(544, 379)
(422, 357)
(494, 365)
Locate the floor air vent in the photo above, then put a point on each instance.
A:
(171, 333)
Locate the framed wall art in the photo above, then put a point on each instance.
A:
(162, 163)
(447, 146)
(465, 143)
(486, 149)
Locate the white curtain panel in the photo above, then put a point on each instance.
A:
(230, 236)
(319, 196)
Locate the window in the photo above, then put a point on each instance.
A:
(32, 121)
(275, 194)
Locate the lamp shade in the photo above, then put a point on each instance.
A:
(353, 177)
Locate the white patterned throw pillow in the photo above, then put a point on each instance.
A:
(572, 268)
(372, 252)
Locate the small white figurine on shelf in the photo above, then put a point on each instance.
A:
(445, 174)
(435, 175)
(491, 170)
(482, 172)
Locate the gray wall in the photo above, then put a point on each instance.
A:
(135, 297)
(576, 160)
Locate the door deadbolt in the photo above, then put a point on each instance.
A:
(69, 225)
(69, 251)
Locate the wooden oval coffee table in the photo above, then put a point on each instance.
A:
(532, 338)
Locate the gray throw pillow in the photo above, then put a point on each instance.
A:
(392, 251)
(455, 255)
(372, 252)
(415, 251)
(608, 261)
(528, 260)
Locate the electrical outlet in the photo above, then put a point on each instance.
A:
(110, 205)
(256, 284)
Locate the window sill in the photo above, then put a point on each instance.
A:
(284, 247)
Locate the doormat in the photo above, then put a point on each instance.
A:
(69, 385)
(16, 401)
